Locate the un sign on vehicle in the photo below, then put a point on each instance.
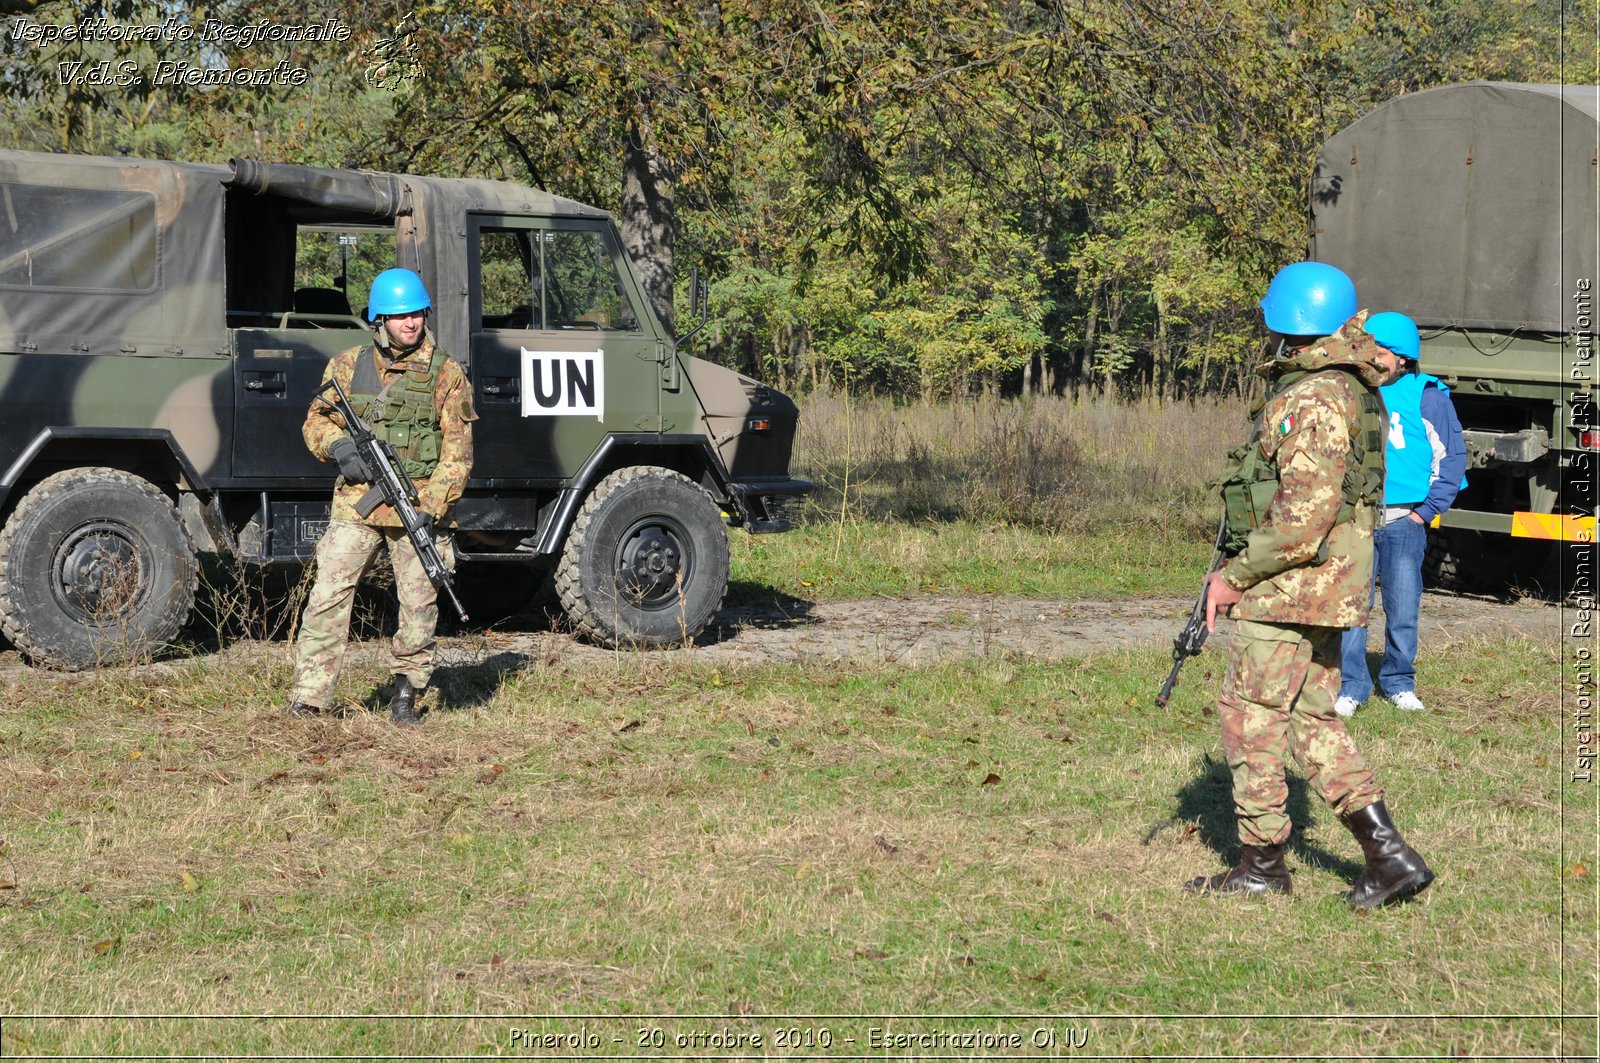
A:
(563, 384)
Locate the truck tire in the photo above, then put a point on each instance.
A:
(1443, 567)
(646, 562)
(1465, 561)
(95, 568)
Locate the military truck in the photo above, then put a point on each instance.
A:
(1472, 208)
(163, 327)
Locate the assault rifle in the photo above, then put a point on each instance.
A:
(393, 485)
(1193, 636)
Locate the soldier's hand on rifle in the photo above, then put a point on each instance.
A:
(430, 506)
(351, 465)
(1219, 595)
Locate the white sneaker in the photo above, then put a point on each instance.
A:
(1346, 705)
(1408, 700)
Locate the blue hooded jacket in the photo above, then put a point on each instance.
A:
(1426, 463)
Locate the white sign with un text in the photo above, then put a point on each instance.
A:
(564, 384)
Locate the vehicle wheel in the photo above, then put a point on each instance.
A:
(646, 562)
(95, 568)
(1458, 559)
(1443, 567)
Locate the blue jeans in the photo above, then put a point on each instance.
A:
(1396, 564)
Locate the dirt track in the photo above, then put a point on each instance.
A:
(919, 630)
(906, 631)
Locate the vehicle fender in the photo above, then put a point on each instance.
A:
(66, 446)
(553, 532)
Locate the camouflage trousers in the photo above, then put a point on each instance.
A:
(1277, 701)
(343, 554)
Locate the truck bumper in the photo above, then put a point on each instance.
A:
(769, 505)
(1561, 527)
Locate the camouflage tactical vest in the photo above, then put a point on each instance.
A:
(406, 417)
(1249, 481)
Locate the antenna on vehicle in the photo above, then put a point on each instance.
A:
(699, 304)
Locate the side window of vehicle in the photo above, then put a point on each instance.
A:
(83, 238)
(334, 266)
(585, 290)
(550, 279)
(508, 278)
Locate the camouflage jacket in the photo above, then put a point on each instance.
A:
(1301, 566)
(452, 398)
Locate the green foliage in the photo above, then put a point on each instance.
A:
(331, 116)
(975, 313)
(928, 197)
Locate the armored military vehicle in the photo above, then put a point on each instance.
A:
(163, 327)
(1472, 208)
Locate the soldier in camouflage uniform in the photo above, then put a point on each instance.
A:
(1303, 574)
(410, 393)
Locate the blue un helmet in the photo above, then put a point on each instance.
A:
(396, 291)
(1395, 332)
(1309, 299)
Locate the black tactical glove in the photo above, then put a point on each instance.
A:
(351, 465)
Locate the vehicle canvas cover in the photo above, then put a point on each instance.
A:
(1471, 205)
(428, 211)
(118, 255)
(107, 256)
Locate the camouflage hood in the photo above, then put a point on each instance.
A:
(1350, 346)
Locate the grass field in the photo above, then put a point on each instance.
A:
(659, 857)
(990, 837)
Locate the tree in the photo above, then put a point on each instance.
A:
(923, 196)
(134, 83)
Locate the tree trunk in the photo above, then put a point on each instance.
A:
(799, 346)
(1091, 325)
(1160, 370)
(647, 220)
(749, 361)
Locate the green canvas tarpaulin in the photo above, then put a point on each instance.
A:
(1469, 206)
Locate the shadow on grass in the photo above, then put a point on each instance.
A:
(456, 686)
(1207, 802)
(747, 605)
(756, 605)
(264, 604)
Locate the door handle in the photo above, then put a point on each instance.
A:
(500, 388)
(265, 383)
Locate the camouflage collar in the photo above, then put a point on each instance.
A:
(1349, 347)
(418, 358)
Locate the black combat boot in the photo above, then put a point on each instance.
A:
(403, 706)
(302, 708)
(1394, 870)
(1260, 870)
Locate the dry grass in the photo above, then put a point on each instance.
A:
(1049, 463)
(994, 836)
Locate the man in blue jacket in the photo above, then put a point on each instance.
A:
(1423, 472)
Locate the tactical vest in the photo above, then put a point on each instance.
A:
(403, 414)
(1249, 481)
